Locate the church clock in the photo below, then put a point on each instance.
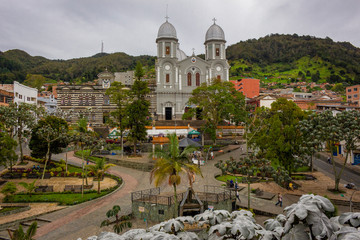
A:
(106, 83)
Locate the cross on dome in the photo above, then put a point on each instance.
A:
(214, 19)
(193, 49)
(167, 17)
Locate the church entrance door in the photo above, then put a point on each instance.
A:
(168, 113)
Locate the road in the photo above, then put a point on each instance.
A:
(346, 177)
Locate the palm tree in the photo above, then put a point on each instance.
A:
(99, 169)
(30, 187)
(171, 163)
(19, 233)
(120, 222)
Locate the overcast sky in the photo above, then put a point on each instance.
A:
(64, 29)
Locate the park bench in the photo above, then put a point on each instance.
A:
(68, 188)
(77, 188)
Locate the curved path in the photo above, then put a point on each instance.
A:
(83, 220)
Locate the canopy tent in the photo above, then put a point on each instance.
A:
(188, 142)
(194, 132)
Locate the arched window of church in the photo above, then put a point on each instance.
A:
(93, 100)
(167, 78)
(167, 50)
(197, 79)
(218, 77)
(80, 100)
(217, 52)
(189, 79)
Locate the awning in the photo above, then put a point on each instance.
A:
(194, 132)
(188, 142)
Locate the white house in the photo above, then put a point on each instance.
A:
(24, 94)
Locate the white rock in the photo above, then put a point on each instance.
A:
(109, 236)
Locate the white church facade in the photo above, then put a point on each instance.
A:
(177, 74)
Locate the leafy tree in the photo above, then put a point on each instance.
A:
(248, 167)
(217, 101)
(311, 135)
(280, 139)
(139, 72)
(30, 187)
(39, 145)
(345, 126)
(19, 233)
(8, 156)
(170, 164)
(52, 130)
(19, 119)
(120, 222)
(84, 139)
(99, 170)
(138, 112)
(35, 81)
(119, 95)
(9, 189)
(338, 87)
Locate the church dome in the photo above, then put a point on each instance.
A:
(180, 54)
(214, 32)
(167, 30)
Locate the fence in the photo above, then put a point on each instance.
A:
(153, 196)
(215, 194)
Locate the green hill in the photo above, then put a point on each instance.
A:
(285, 58)
(16, 64)
(280, 58)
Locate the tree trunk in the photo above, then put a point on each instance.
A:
(135, 147)
(99, 177)
(20, 145)
(46, 160)
(311, 163)
(338, 177)
(176, 202)
(82, 186)
(249, 191)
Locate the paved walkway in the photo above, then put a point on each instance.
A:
(83, 220)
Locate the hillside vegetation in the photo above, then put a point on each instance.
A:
(17, 65)
(285, 58)
(274, 58)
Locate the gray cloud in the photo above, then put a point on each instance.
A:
(75, 28)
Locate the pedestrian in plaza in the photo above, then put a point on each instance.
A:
(279, 200)
(238, 195)
(212, 155)
(329, 160)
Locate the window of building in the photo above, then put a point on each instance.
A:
(20, 96)
(105, 117)
(349, 97)
(349, 90)
(16, 94)
(197, 79)
(217, 52)
(93, 100)
(189, 79)
(69, 100)
(167, 78)
(106, 100)
(87, 101)
(355, 96)
(62, 100)
(356, 102)
(80, 100)
(167, 50)
(355, 89)
(28, 98)
(161, 212)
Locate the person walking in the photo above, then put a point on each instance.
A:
(279, 200)
(329, 160)
(212, 155)
(238, 195)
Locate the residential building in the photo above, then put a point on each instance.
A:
(126, 78)
(48, 102)
(6, 95)
(250, 87)
(19, 93)
(353, 94)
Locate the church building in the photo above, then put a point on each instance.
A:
(177, 74)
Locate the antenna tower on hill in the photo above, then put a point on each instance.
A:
(102, 46)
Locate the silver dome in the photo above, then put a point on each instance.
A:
(180, 54)
(215, 32)
(167, 30)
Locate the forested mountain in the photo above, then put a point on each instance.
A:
(293, 57)
(280, 58)
(17, 64)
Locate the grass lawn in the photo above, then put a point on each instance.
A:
(303, 169)
(7, 209)
(61, 198)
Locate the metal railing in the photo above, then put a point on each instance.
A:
(153, 196)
